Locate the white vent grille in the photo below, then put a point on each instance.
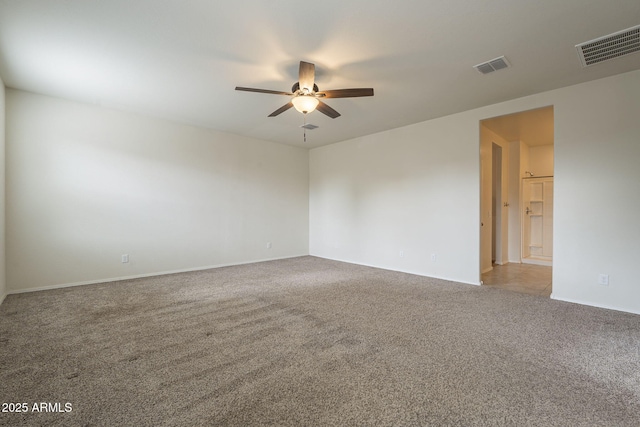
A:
(608, 47)
(493, 65)
(309, 126)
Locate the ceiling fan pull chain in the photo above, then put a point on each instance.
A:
(304, 132)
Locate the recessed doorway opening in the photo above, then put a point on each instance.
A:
(516, 200)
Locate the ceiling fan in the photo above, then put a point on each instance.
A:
(306, 96)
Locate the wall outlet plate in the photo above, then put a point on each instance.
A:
(603, 279)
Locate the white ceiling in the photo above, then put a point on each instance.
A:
(181, 59)
(533, 127)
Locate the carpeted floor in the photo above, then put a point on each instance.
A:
(313, 342)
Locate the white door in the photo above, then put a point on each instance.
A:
(537, 220)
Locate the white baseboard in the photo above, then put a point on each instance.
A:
(592, 304)
(2, 297)
(139, 276)
(401, 271)
(538, 261)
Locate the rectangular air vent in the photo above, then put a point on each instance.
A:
(608, 47)
(493, 65)
(309, 126)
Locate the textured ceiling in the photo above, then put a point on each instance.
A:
(533, 127)
(182, 59)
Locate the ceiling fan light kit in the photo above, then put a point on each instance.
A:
(305, 103)
(306, 95)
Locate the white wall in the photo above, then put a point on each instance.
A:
(541, 160)
(515, 174)
(597, 193)
(87, 184)
(487, 139)
(3, 281)
(416, 189)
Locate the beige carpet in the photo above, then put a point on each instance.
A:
(306, 342)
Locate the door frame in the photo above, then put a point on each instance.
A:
(513, 176)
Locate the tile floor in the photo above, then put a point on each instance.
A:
(524, 278)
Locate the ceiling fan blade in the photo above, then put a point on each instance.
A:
(274, 92)
(325, 109)
(307, 75)
(281, 110)
(346, 93)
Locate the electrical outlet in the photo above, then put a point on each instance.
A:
(433, 257)
(401, 254)
(125, 258)
(603, 279)
(268, 245)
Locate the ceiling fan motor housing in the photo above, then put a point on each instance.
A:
(296, 87)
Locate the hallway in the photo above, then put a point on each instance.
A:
(524, 278)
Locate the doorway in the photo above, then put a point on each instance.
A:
(537, 220)
(516, 197)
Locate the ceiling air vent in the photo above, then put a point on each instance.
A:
(309, 126)
(608, 47)
(493, 65)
